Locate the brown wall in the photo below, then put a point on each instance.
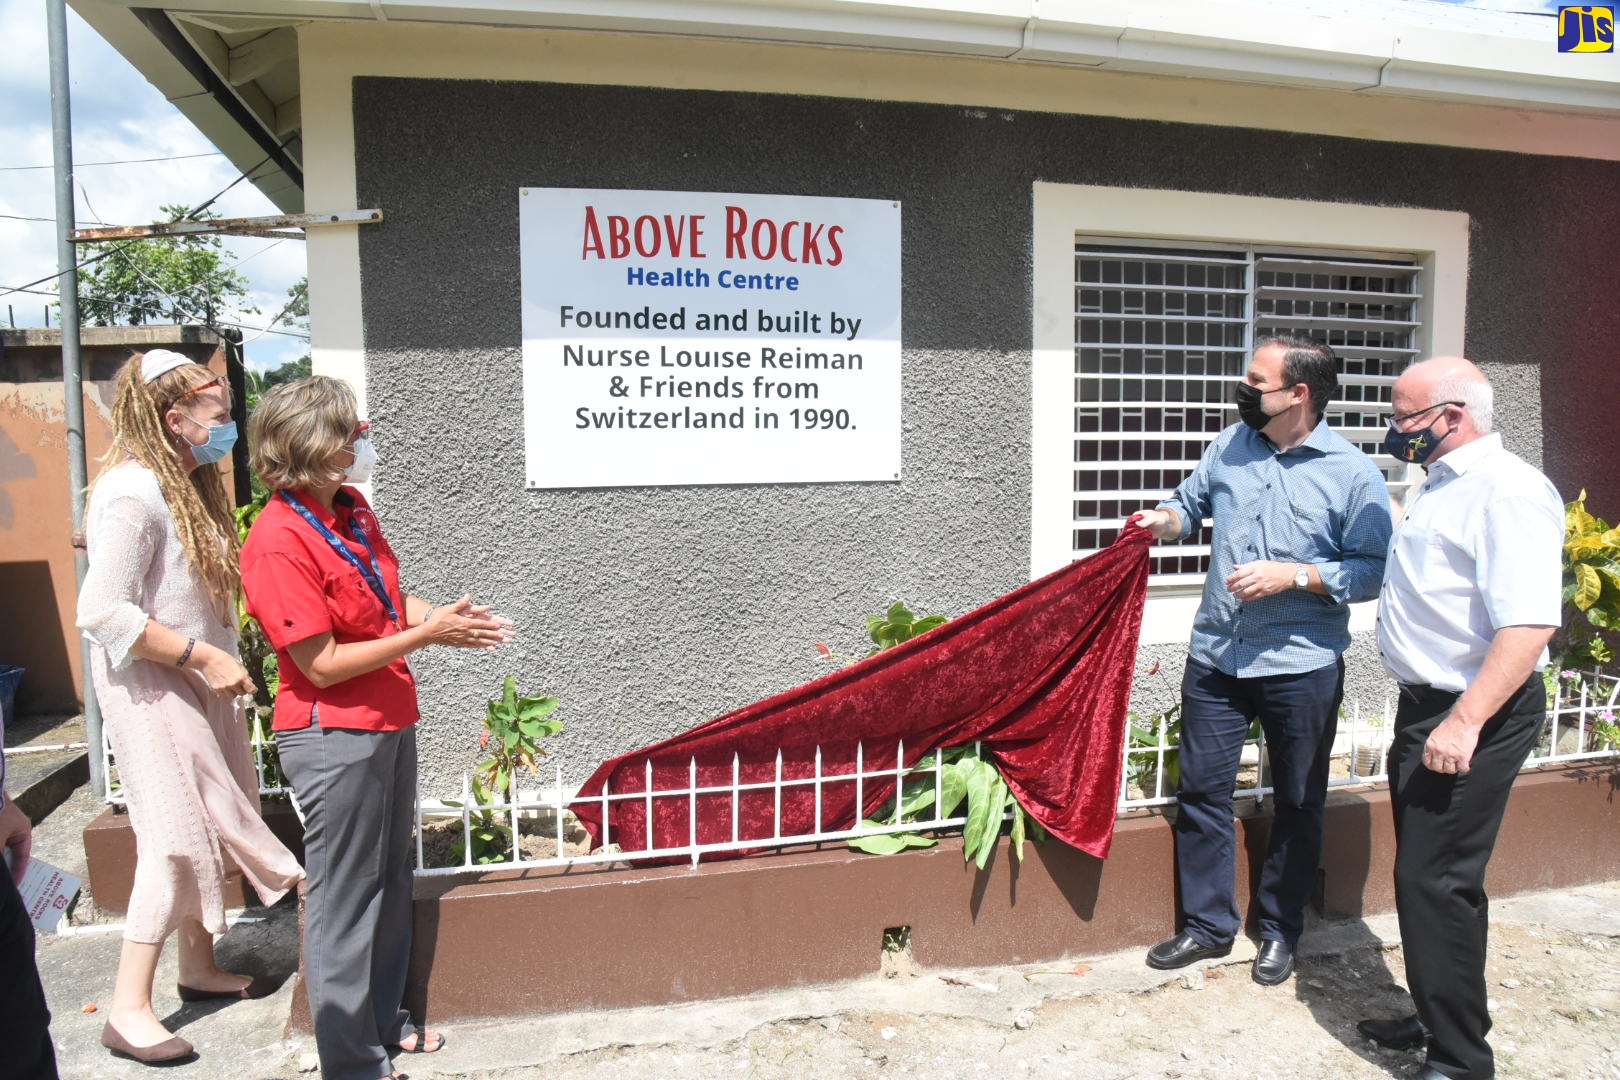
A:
(614, 938)
(37, 584)
(605, 937)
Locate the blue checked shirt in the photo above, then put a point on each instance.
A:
(1322, 503)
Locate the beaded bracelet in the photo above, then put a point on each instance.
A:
(190, 644)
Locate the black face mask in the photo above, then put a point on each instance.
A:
(1416, 446)
(1413, 446)
(1248, 405)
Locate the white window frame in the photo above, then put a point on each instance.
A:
(1065, 212)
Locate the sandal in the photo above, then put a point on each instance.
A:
(420, 1045)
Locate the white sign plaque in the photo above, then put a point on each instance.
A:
(674, 337)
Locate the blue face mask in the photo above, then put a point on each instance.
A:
(221, 437)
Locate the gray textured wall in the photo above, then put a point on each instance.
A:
(649, 610)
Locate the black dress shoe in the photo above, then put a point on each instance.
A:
(1182, 950)
(1273, 963)
(1407, 1033)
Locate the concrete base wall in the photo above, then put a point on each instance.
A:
(615, 938)
(109, 849)
(608, 938)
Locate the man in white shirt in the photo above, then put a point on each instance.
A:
(1470, 599)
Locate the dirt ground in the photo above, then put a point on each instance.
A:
(1556, 1000)
(1554, 972)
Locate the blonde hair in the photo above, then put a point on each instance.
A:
(197, 501)
(297, 429)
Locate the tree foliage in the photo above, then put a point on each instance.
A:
(180, 279)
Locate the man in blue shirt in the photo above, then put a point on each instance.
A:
(1301, 527)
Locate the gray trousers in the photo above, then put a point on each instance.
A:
(357, 790)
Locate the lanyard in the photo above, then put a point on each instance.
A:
(372, 574)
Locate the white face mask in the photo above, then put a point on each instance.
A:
(365, 458)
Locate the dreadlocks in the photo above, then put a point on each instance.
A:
(197, 502)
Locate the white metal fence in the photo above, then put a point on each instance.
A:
(533, 827)
(547, 814)
(1580, 704)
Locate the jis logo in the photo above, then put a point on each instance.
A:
(1588, 29)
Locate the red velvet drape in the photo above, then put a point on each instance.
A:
(1041, 677)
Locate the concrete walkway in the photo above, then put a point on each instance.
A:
(1555, 965)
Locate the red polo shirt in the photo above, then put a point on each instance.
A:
(297, 586)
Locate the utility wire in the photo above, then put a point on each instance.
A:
(143, 275)
(132, 307)
(125, 161)
(175, 298)
(189, 215)
(298, 295)
(24, 217)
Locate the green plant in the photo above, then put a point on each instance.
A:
(176, 278)
(1153, 742)
(513, 728)
(260, 660)
(1607, 729)
(887, 630)
(1591, 588)
(257, 654)
(896, 625)
(1162, 728)
(963, 775)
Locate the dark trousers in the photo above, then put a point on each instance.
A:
(357, 790)
(26, 1052)
(1445, 828)
(1299, 714)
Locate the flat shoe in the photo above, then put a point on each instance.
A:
(259, 986)
(171, 1049)
(1182, 950)
(1407, 1033)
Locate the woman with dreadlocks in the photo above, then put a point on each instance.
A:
(159, 606)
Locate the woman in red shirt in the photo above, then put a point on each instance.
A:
(324, 585)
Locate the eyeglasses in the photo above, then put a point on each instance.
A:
(209, 385)
(1397, 421)
(361, 429)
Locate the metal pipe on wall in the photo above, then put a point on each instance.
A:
(67, 264)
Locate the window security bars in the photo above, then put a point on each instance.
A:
(1162, 333)
(1581, 704)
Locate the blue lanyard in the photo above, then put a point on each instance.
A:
(372, 574)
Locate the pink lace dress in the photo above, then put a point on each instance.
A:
(181, 750)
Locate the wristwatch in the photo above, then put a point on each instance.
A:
(1302, 576)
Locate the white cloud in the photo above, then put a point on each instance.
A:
(1510, 5)
(117, 116)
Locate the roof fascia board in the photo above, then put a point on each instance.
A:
(124, 30)
(1201, 38)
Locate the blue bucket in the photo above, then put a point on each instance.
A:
(10, 676)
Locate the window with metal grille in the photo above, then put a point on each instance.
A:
(1161, 334)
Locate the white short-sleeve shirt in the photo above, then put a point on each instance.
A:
(1480, 548)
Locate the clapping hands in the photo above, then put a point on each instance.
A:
(465, 625)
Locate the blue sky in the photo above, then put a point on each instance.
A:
(117, 116)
